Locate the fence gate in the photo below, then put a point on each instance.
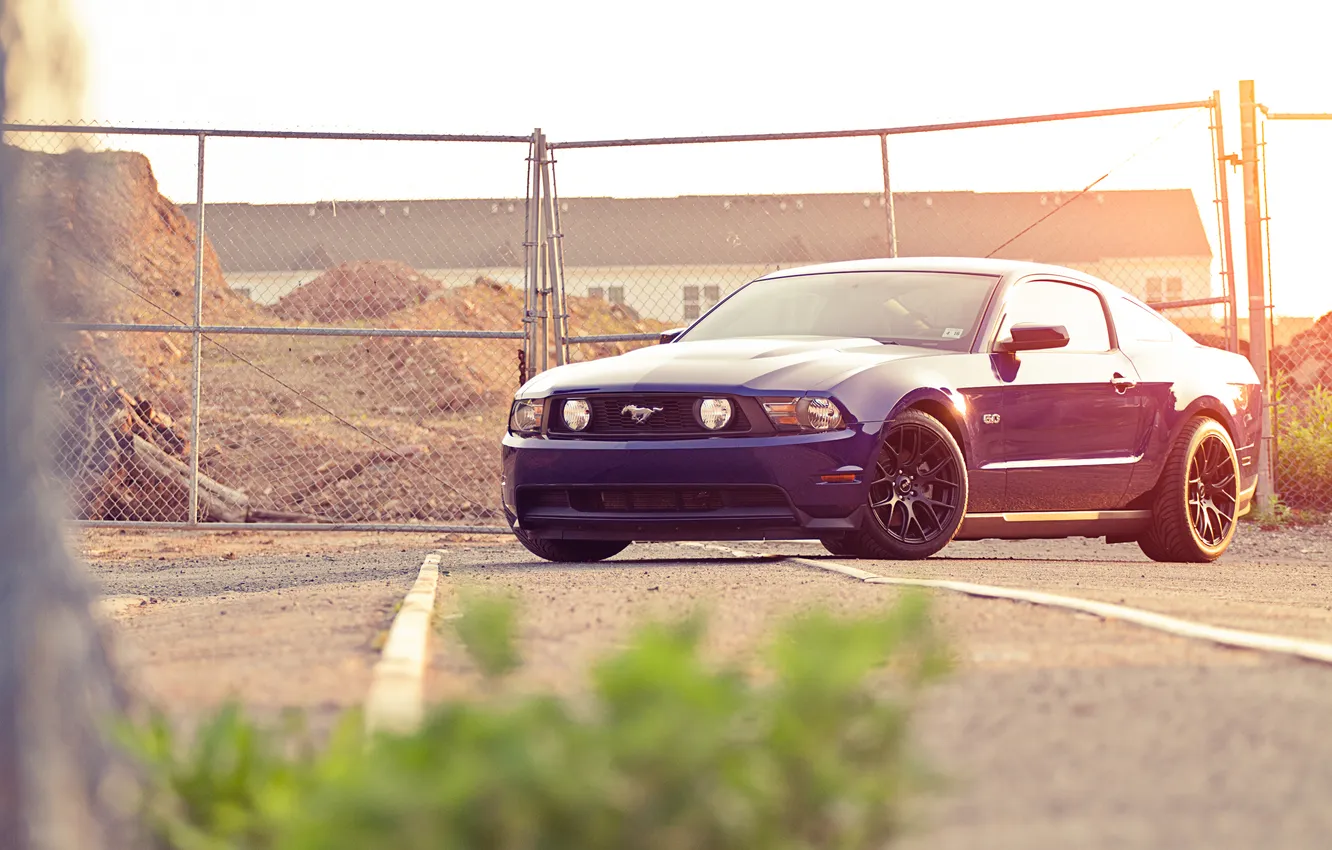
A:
(313, 362)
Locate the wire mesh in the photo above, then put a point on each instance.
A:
(331, 266)
(106, 245)
(339, 384)
(351, 233)
(364, 430)
(664, 232)
(1298, 182)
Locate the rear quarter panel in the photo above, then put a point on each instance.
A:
(1184, 380)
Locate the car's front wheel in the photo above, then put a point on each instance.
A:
(1195, 509)
(571, 551)
(917, 493)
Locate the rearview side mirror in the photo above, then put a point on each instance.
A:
(1029, 336)
(670, 335)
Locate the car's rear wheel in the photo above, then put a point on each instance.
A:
(571, 551)
(917, 493)
(1194, 514)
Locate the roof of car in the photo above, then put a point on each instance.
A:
(961, 265)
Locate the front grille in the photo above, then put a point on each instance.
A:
(644, 500)
(673, 415)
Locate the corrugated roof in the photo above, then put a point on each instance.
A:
(720, 229)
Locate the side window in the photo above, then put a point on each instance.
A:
(1135, 323)
(1048, 302)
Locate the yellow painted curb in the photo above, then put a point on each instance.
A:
(396, 702)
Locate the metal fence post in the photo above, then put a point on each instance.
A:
(532, 258)
(553, 263)
(1253, 245)
(1223, 223)
(890, 218)
(196, 336)
(526, 356)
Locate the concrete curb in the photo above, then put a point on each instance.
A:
(1310, 650)
(396, 701)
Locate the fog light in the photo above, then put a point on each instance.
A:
(714, 413)
(577, 414)
(819, 414)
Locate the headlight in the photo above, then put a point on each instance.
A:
(714, 413)
(818, 414)
(526, 416)
(803, 414)
(577, 414)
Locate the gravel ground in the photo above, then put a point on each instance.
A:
(1269, 581)
(273, 632)
(1058, 730)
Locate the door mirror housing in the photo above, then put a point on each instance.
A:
(670, 335)
(1029, 336)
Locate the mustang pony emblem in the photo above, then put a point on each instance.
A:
(640, 414)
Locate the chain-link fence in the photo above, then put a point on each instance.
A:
(340, 348)
(1296, 182)
(322, 363)
(660, 230)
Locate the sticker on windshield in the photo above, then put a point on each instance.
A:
(953, 333)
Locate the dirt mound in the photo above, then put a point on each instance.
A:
(1307, 361)
(359, 290)
(108, 247)
(454, 375)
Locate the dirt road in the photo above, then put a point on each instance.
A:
(1057, 729)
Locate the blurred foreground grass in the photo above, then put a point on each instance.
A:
(666, 751)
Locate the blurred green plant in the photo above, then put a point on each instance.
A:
(668, 753)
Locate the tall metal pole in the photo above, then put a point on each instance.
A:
(553, 265)
(529, 245)
(1223, 201)
(539, 253)
(1253, 247)
(535, 327)
(196, 360)
(889, 215)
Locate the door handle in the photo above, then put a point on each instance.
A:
(1122, 384)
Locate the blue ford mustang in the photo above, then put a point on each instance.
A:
(887, 407)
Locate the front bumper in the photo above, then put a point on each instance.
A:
(724, 488)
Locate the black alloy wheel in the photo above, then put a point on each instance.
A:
(917, 492)
(1196, 506)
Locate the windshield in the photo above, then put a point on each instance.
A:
(932, 309)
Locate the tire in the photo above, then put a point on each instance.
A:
(841, 547)
(1153, 548)
(571, 551)
(1194, 509)
(919, 467)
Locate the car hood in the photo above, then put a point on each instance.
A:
(764, 364)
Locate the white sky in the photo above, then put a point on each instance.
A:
(619, 69)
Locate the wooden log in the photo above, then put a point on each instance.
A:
(217, 503)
